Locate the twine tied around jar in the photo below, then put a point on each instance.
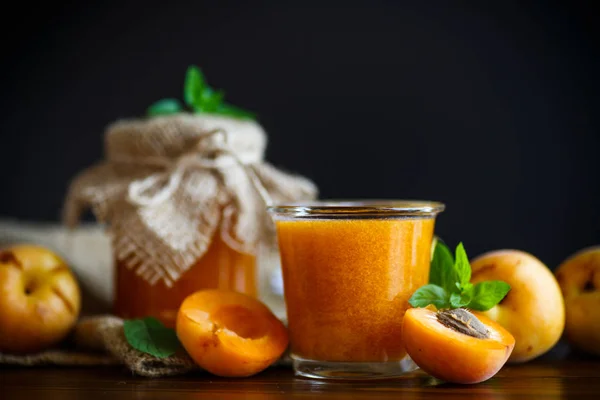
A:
(195, 158)
(167, 183)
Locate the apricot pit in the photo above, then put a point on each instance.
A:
(464, 322)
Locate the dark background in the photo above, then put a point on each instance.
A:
(491, 109)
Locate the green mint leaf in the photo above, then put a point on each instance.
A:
(164, 107)
(150, 336)
(199, 97)
(210, 100)
(461, 265)
(449, 283)
(487, 294)
(233, 111)
(429, 294)
(434, 244)
(458, 300)
(193, 87)
(467, 287)
(442, 268)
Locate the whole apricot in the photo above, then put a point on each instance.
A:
(456, 345)
(579, 280)
(533, 311)
(230, 334)
(39, 299)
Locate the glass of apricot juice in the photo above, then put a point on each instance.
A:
(349, 269)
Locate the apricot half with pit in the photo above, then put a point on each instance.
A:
(39, 299)
(533, 311)
(456, 345)
(230, 334)
(579, 280)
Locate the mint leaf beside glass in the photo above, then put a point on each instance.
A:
(487, 294)
(461, 265)
(441, 272)
(450, 287)
(430, 294)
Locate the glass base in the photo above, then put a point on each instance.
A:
(352, 370)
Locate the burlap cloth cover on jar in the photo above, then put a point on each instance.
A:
(167, 183)
(164, 187)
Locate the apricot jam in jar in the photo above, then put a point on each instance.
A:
(349, 269)
(220, 267)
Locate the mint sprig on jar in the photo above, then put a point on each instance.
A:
(198, 98)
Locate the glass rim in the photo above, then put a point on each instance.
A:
(357, 208)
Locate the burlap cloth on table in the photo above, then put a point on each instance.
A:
(100, 340)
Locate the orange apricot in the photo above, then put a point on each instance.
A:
(39, 299)
(533, 311)
(230, 334)
(579, 280)
(456, 345)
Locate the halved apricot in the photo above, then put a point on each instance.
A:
(456, 345)
(230, 334)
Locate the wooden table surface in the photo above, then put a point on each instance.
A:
(535, 380)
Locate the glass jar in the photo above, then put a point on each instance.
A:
(181, 195)
(349, 269)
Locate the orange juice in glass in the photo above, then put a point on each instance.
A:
(349, 269)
